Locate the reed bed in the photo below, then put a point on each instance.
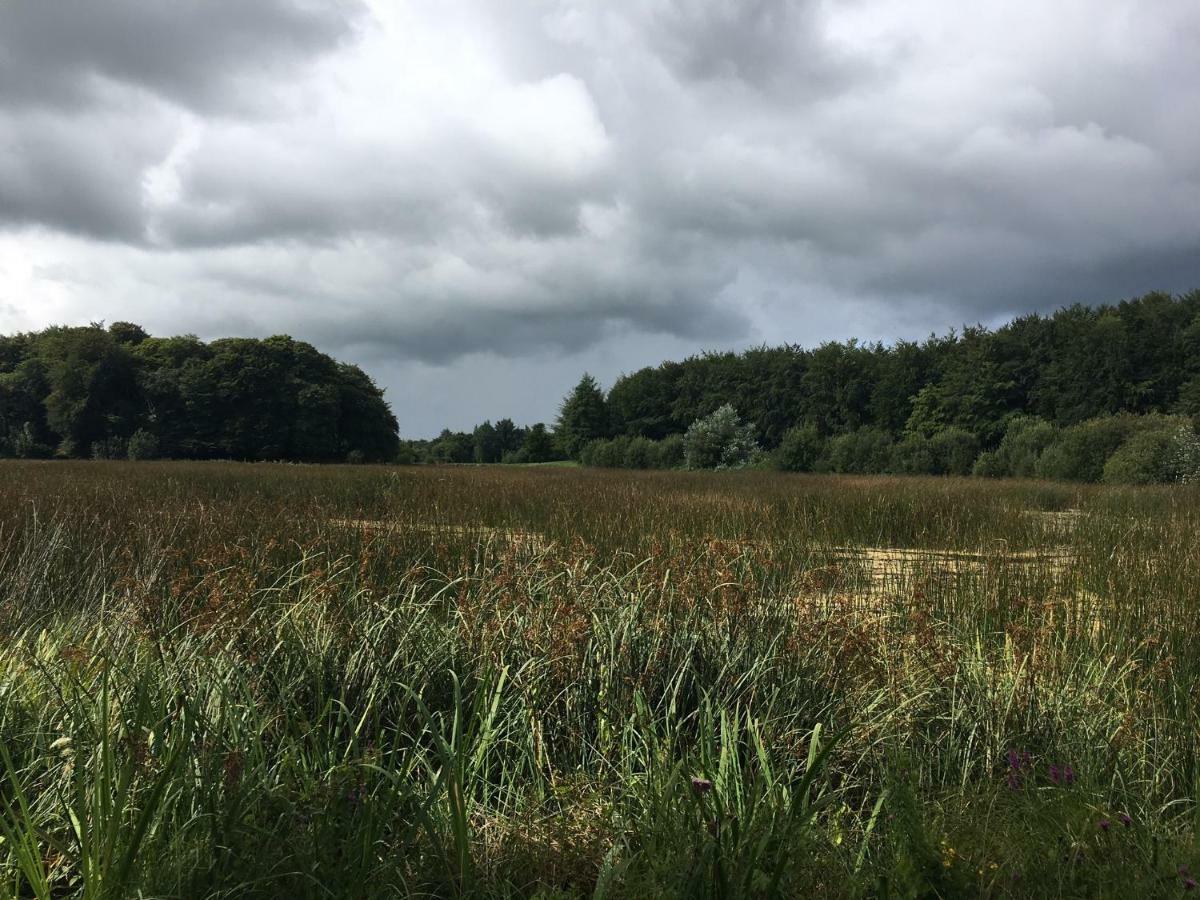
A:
(224, 680)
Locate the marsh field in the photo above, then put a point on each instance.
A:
(225, 680)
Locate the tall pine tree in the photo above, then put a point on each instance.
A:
(582, 418)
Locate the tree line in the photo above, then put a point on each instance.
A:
(1110, 392)
(503, 442)
(117, 392)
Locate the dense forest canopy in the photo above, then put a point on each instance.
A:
(1058, 396)
(116, 392)
(1140, 356)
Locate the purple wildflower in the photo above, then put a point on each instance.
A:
(1105, 824)
(1125, 820)
(1189, 884)
(1054, 776)
(1068, 775)
(1014, 760)
(1014, 781)
(701, 785)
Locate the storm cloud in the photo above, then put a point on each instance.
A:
(477, 201)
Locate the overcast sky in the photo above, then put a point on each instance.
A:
(478, 200)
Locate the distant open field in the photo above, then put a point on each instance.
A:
(225, 680)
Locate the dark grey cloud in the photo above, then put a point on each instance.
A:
(51, 176)
(506, 300)
(480, 187)
(209, 55)
(93, 95)
(774, 45)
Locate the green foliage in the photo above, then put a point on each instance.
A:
(669, 452)
(1184, 463)
(985, 401)
(127, 333)
(719, 440)
(407, 454)
(867, 450)
(974, 391)
(800, 450)
(500, 442)
(949, 451)
(23, 443)
(23, 387)
(1079, 453)
(452, 447)
(900, 372)
(1163, 450)
(503, 442)
(639, 454)
(1025, 439)
(640, 404)
(88, 390)
(487, 446)
(91, 382)
(582, 418)
(913, 455)
(1188, 402)
(509, 438)
(1143, 459)
(954, 451)
(365, 422)
(987, 465)
(143, 445)
(625, 452)
(605, 454)
(538, 445)
(110, 448)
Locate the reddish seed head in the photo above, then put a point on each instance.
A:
(701, 785)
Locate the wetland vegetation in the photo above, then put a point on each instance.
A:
(235, 680)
